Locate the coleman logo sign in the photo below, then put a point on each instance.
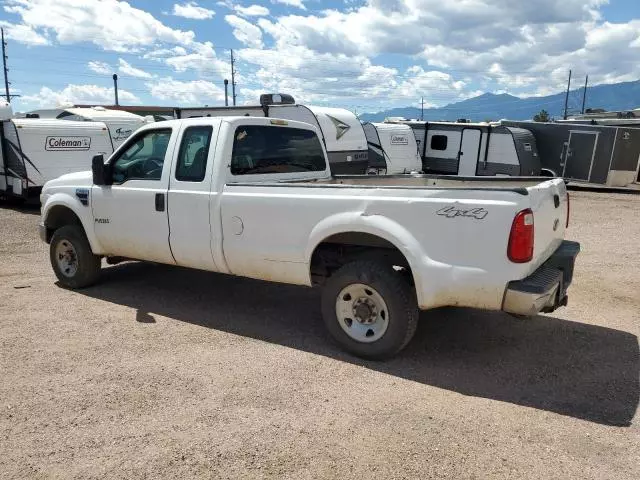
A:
(67, 143)
(399, 140)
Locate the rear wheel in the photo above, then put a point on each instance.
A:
(370, 309)
(72, 260)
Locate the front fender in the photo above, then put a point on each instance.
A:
(83, 212)
(379, 226)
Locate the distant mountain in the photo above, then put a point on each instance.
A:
(488, 106)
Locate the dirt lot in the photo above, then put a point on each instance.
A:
(164, 372)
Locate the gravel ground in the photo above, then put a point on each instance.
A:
(171, 373)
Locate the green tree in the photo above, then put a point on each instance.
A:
(543, 116)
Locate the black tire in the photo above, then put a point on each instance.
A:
(88, 265)
(396, 292)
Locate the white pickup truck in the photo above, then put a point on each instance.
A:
(254, 197)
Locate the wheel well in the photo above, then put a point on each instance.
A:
(59, 216)
(545, 172)
(342, 248)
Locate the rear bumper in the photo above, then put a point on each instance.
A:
(546, 288)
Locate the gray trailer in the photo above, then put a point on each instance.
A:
(471, 149)
(608, 155)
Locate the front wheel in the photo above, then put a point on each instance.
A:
(370, 309)
(72, 260)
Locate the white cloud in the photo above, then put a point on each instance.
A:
(201, 58)
(521, 46)
(110, 24)
(195, 92)
(23, 34)
(291, 3)
(341, 79)
(102, 68)
(252, 11)
(244, 31)
(192, 10)
(126, 68)
(81, 94)
(456, 48)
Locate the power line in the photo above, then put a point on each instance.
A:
(4, 67)
(339, 65)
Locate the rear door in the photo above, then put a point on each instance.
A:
(580, 154)
(469, 152)
(190, 197)
(261, 237)
(130, 216)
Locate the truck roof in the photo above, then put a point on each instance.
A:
(230, 119)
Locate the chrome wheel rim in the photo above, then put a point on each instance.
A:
(362, 313)
(66, 258)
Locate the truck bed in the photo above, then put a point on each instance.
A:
(437, 181)
(418, 181)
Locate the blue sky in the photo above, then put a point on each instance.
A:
(363, 55)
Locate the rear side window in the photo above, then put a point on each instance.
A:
(194, 150)
(259, 149)
(439, 142)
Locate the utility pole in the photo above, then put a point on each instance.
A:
(4, 67)
(226, 92)
(584, 94)
(422, 109)
(233, 79)
(115, 87)
(566, 98)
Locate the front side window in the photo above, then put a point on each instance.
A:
(143, 159)
(194, 150)
(259, 149)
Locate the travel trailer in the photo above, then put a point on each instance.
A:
(35, 150)
(392, 149)
(120, 124)
(470, 149)
(604, 154)
(340, 130)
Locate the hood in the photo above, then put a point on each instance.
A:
(80, 179)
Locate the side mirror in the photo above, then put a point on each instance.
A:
(98, 169)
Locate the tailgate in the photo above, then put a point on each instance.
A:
(549, 203)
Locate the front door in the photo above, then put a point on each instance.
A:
(579, 155)
(130, 216)
(469, 151)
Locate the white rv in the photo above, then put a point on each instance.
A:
(340, 130)
(470, 149)
(120, 124)
(34, 150)
(392, 149)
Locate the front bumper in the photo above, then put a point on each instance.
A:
(546, 288)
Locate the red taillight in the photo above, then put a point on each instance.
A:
(520, 249)
(568, 209)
